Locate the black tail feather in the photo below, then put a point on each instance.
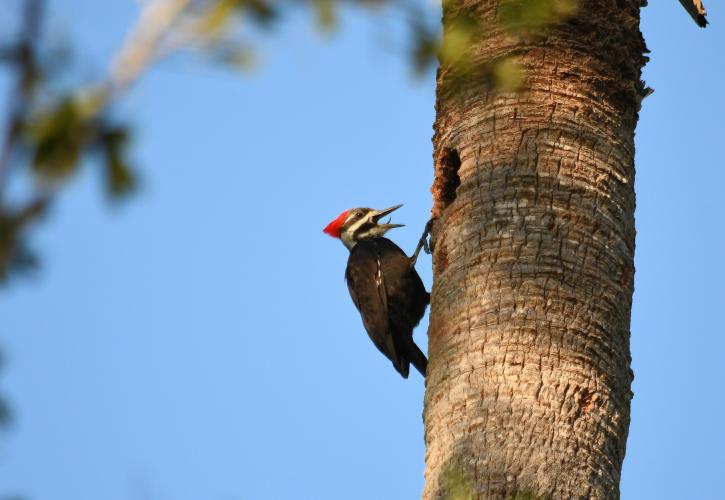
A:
(417, 358)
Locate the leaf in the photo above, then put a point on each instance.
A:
(508, 75)
(261, 11)
(458, 38)
(522, 17)
(326, 14)
(217, 17)
(456, 484)
(15, 255)
(58, 138)
(425, 45)
(8, 243)
(120, 177)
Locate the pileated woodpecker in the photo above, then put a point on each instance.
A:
(383, 284)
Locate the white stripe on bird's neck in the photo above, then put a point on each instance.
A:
(348, 236)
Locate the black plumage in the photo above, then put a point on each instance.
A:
(391, 298)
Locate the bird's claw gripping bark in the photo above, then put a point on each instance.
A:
(422, 243)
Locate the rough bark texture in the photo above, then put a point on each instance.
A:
(528, 388)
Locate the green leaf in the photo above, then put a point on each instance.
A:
(425, 45)
(458, 37)
(15, 255)
(217, 17)
(58, 138)
(120, 177)
(326, 14)
(508, 75)
(261, 11)
(457, 485)
(522, 17)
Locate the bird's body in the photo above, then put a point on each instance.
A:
(391, 298)
(384, 286)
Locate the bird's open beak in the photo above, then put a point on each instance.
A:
(379, 214)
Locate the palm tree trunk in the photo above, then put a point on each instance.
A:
(528, 388)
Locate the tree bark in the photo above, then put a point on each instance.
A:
(528, 386)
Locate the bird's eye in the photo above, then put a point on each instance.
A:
(358, 214)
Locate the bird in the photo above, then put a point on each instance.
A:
(696, 10)
(383, 284)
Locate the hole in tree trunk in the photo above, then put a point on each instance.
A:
(446, 179)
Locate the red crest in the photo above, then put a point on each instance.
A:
(334, 227)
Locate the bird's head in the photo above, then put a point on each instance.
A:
(358, 224)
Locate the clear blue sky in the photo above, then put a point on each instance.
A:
(199, 341)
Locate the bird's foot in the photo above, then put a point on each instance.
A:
(422, 243)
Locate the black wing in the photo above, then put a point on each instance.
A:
(406, 292)
(366, 283)
(407, 300)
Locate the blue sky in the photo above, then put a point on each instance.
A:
(198, 342)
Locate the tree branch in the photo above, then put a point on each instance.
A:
(24, 55)
(141, 47)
